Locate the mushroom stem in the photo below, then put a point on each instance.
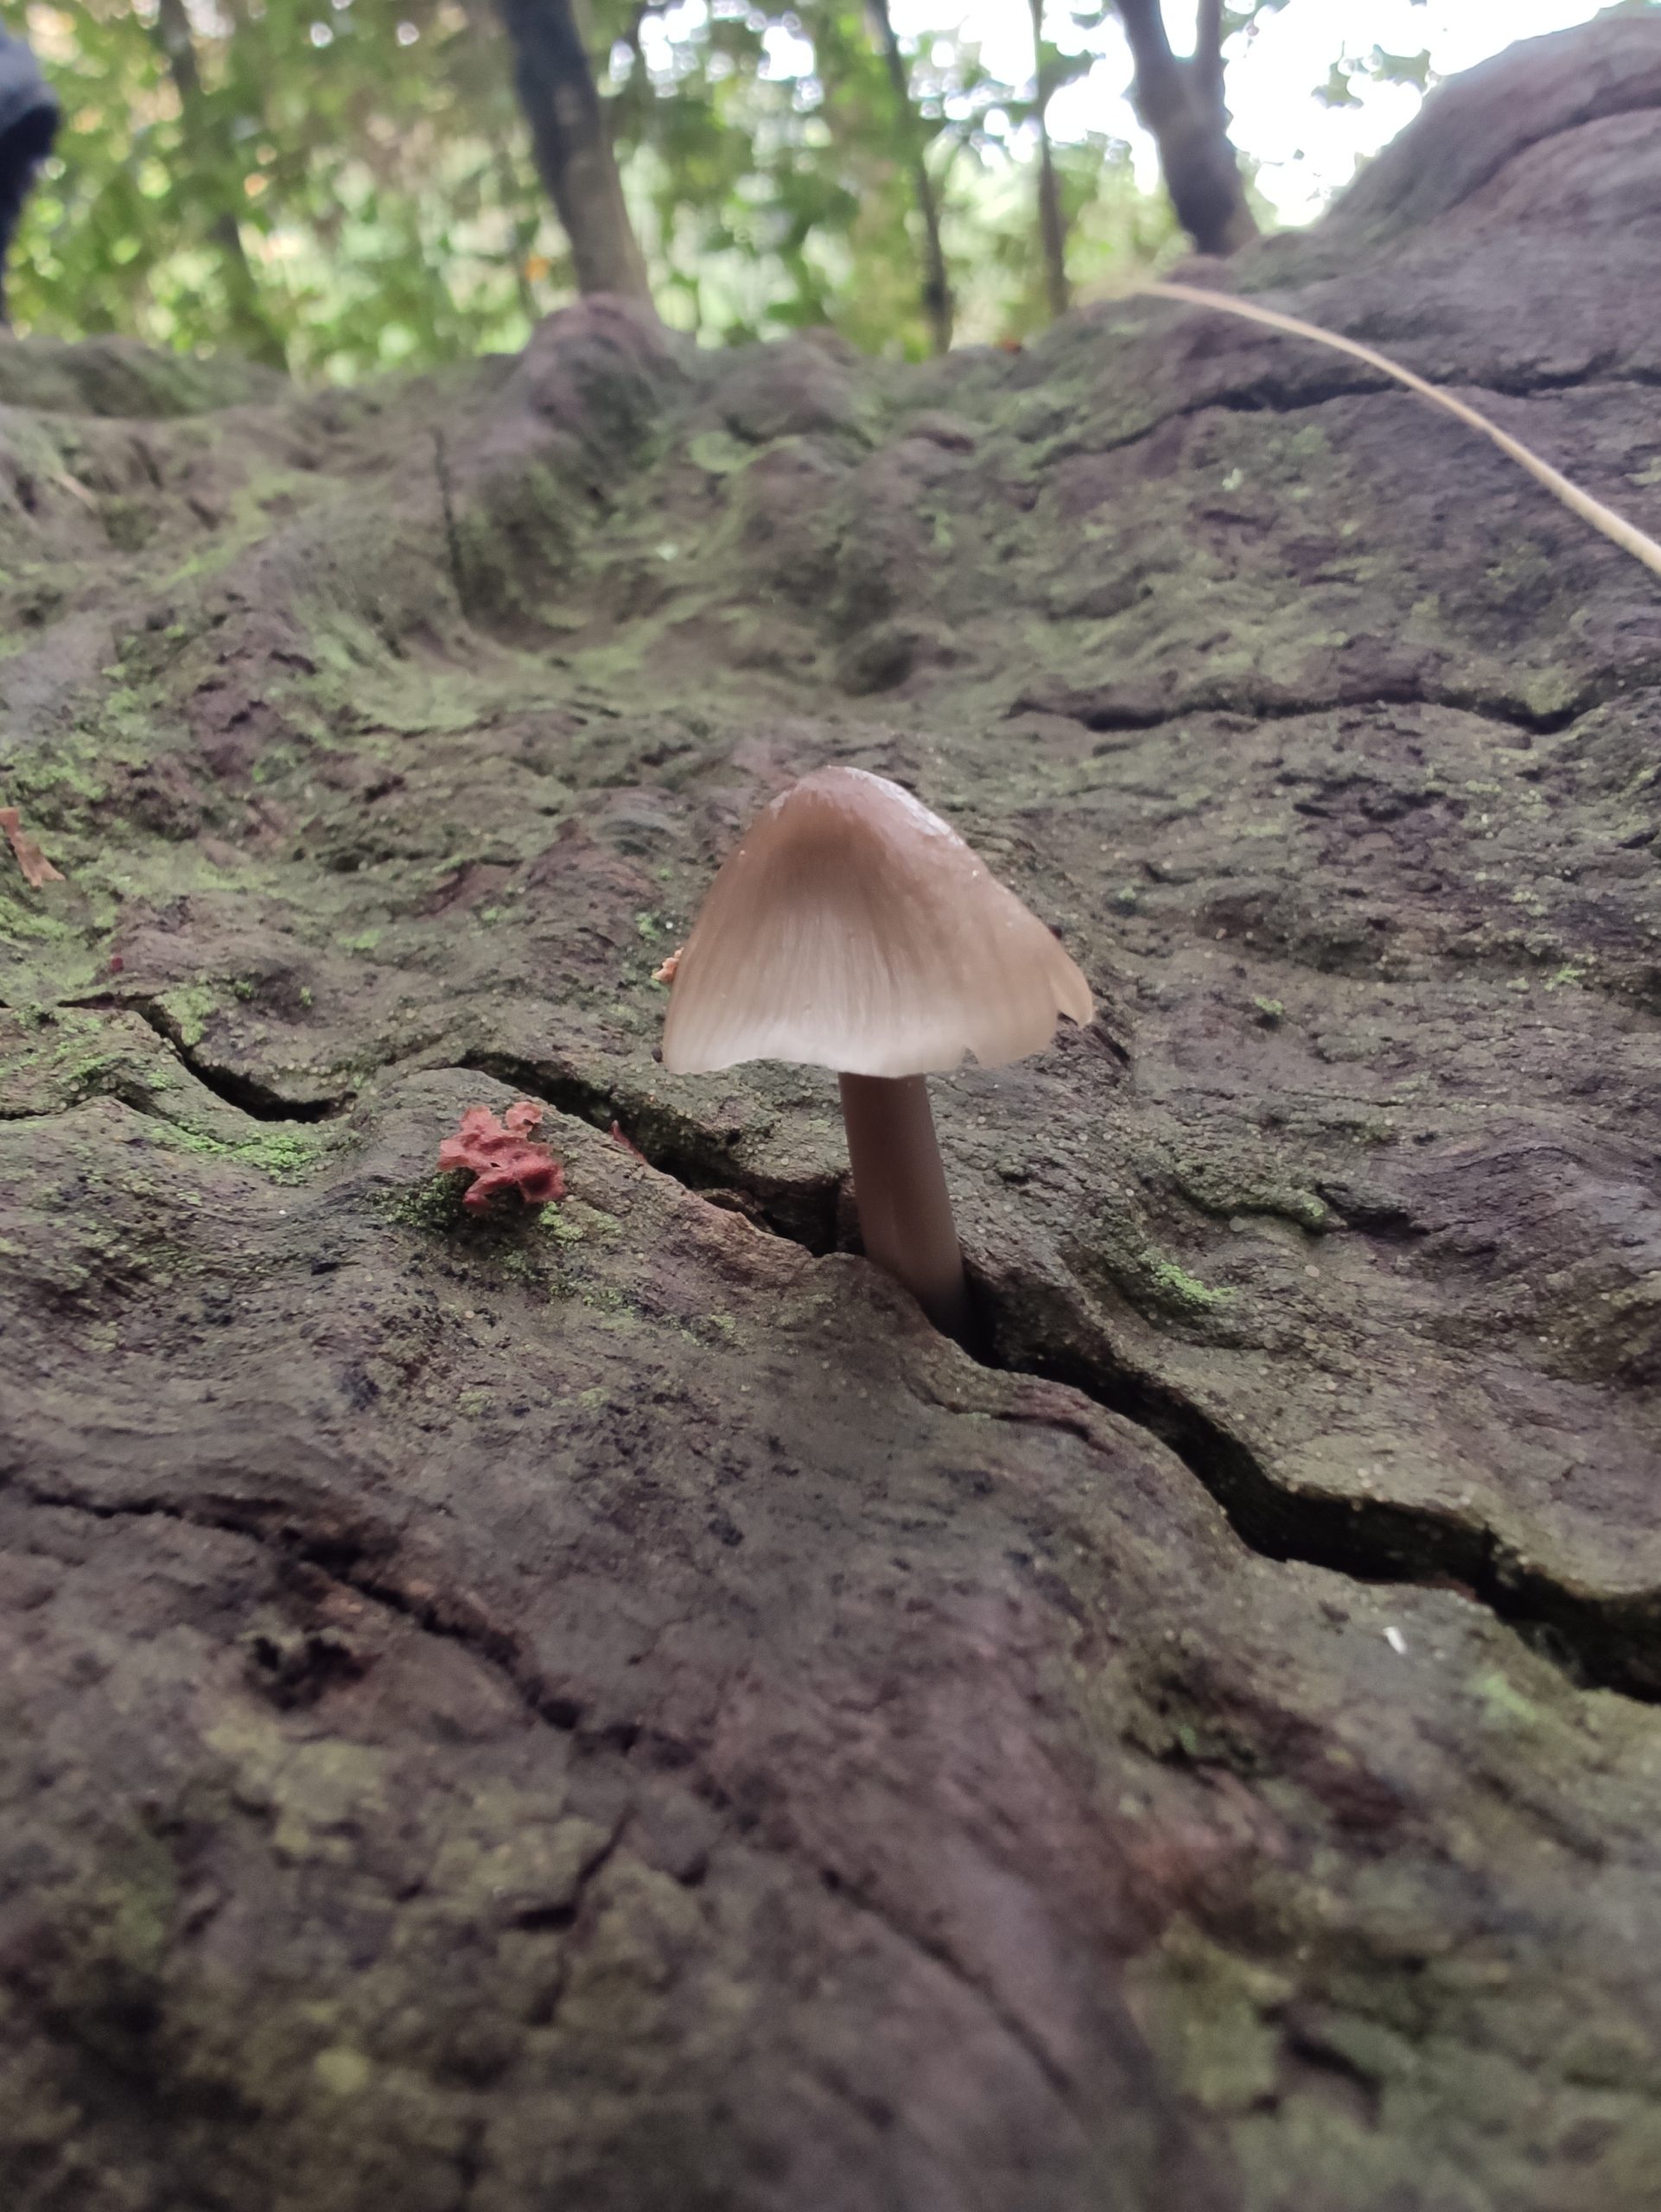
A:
(905, 1213)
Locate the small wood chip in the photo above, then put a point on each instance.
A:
(37, 869)
(619, 1138)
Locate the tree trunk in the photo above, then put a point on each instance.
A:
(1180, 102)
(937, 288)
(608, 1708)
(573, 146)
(1051, 223)
(28, 122)
(251, 330)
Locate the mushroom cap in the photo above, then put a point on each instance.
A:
(851, 929)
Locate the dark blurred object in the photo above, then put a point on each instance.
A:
(28, 123)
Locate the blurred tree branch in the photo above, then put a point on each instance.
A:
(937, 288)
(1051, 222)
(1180, 102)
(213, 158)
(573, 145)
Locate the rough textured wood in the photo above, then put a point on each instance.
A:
(608, 1711)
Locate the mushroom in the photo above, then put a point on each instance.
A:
(852, 929)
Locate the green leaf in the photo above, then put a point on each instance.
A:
(1336, 92)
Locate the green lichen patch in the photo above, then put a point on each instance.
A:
(1177, 1288)
(282, 1156)
(506, 1242)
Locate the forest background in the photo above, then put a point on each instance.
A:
(338, 187)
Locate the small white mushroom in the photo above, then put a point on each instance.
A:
(852, 929)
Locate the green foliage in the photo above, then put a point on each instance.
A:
(1381, 68)
(345, 185)
(768, 163)
(1336, 92)
(336, 180)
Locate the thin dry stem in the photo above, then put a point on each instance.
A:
(1626, 535)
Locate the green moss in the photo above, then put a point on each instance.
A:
(73, 768)
(25, 914)
(518, 539)
(506, 1238)
(284, 1156)
(321, 1792)
(1503, 1704)
(114, 1930)
(71, 1055)
(1181, 1289)
(434, 1208)
(342, 2071)
(112, 375)
(1547, 691)
(718, 453)
(1212, 2017)
(129, 523)
(1239, 1182)
(1523, 567)
(188, 1007)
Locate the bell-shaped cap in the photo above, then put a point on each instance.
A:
(852, 930)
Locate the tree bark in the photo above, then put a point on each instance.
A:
(937, 288)
(252, 332)
(1180, 102)
(573, 146)
(1051, 222)
(28, 122)
(605, 1708)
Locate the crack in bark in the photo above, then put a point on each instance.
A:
(1115, 709)
(1273, 396)
(802, 1210)
(1606, 1643)
(339, 1559)
(937, 1953)
(246, 1093)
(1276, 397)
(497, 1651)
(452, 533)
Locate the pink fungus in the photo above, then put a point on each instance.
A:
(502, 1156)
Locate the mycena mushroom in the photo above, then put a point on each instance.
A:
(851, 929)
